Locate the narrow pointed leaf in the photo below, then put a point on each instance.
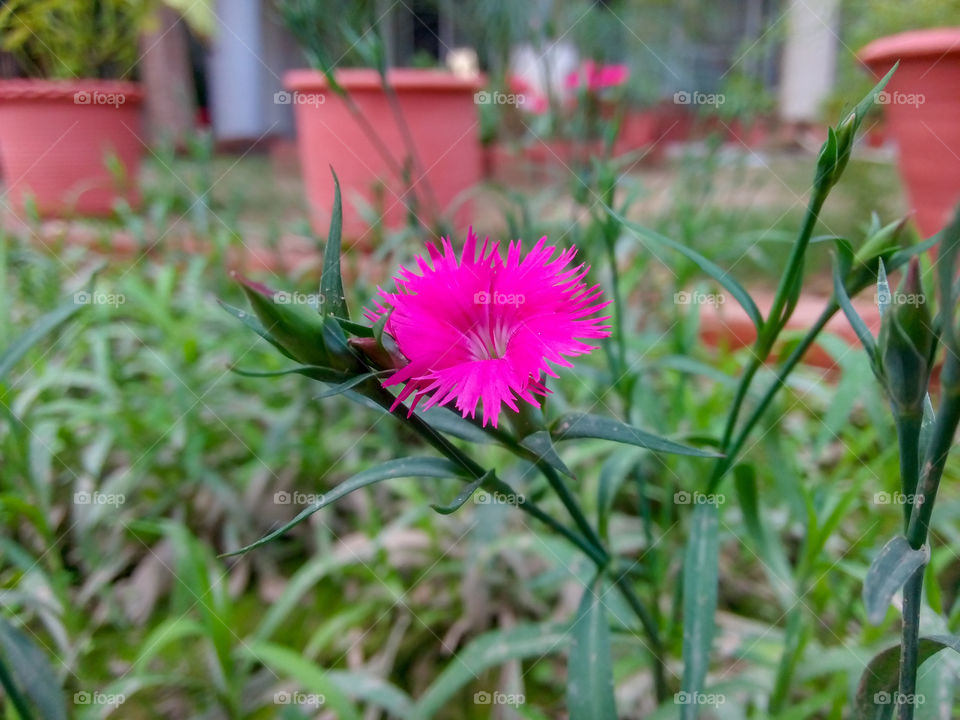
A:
(584, 425)
(452, 423)
(727, 281)
(40, 328)
(700, 578)
(340, 388)
(313, 679)
(316, 372)
(892, 567)
(30, 671)
(297, 328)
(355, 328)
(463, 496)
(856, 322)
(252, 322)
(489, 650)
(402, 467)
(590, 668)
(331, 283)
(770, 549)
(876, 693)
(541, 444)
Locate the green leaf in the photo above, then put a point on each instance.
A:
(369, 688)
(613, 473)
(168, 632)
(879, 682)
(254, 324)
(590, 669)
(541, 444)
(25, 665)
(727, 281)
(40, 328)
(770, 550)
(892, 567)
(700, 577)
(464, 495)
(339, 388)
(313, 679)
(584, 425)
(331, 283)
(297, 328)
(402, 467)
(316, 372)
(843, 260)
(486, 651)
(447, 421)
(355, 328)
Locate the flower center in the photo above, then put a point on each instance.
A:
(488, 341)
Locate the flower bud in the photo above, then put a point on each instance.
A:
(298, 329)
(906, 343)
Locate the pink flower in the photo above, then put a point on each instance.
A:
(598, 77)
(484, 328)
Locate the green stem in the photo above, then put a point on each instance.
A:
(573, 507)
(919, 526)
(908, 439)
(776, 320)
(622, 582)
(909, 640)
(593, 550)
(733, 448)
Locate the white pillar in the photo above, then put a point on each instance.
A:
(809, 58)
(236, 90)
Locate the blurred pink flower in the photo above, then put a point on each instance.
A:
(533, 101)
(484, 328)
(598, 76)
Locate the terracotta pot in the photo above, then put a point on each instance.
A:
(440, 112)
(922, 106)
(638, 131)
(55, 140)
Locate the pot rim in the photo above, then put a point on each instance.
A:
(66, 90)
(934, 42)
(369, 79)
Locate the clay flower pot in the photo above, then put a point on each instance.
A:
(55, 140)
(922, 107)
(440, 111)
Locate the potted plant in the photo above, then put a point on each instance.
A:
(404, 141)
(70, 133)
(922, 108)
